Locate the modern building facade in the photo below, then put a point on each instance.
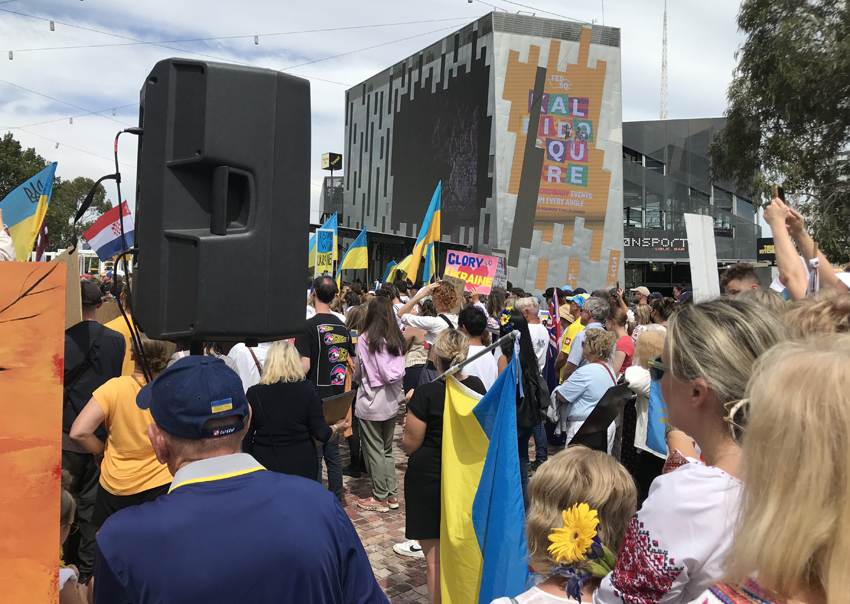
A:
(665, 176)
(519, 118)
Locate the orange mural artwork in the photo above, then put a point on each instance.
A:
(32, 325)
(572, 183)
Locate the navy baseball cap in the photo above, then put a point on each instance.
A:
(578, 291)
(193, 391)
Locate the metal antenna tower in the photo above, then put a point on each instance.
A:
(664, 67)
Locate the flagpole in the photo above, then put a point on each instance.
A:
(513, 335)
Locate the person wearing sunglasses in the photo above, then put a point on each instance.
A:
(675, 546)
(792, 533)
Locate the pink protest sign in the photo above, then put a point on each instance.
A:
(478, 271)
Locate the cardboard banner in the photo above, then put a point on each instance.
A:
(73, 303)
(324, 251)
(32, 350)
(500, 279)
(613, 269)
(478, 271)
(703, 256)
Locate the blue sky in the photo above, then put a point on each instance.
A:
(702, 41)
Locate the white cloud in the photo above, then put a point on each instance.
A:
(702, 41)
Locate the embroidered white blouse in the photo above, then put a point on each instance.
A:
(676, 543)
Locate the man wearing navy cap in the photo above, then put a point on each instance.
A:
(228, 530)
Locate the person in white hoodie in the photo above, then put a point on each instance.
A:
(379, 367)
(647, 463)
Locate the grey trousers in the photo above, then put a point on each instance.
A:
(376, 444)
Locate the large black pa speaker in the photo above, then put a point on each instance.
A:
(222, 203)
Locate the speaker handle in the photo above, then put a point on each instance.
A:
(220, 196)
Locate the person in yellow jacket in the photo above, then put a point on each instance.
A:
(576, 304)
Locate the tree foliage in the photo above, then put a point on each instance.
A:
(788, 119)
(18, 164)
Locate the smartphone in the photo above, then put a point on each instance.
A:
(780, 192)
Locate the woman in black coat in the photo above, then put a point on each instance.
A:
(287, 416)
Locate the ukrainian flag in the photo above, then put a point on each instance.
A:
(483, 549)
(24, 210)
(389, 271)
(355, 257)
(428, 234)
(330, 223)
(401, 267)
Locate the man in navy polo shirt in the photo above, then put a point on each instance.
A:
(228, 531)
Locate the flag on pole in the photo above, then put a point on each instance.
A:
(42, 243)
(482, 527)
(401, 267)
(330, 223)
(104, 236)
(389, 270)
(355, 257)
(428, 234)
(555, 328)
(24, 210)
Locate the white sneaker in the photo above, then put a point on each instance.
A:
(411, 549)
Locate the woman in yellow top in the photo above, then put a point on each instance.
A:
(129, 472)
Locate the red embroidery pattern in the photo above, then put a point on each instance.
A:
(644, 571)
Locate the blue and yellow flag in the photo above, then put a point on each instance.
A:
(482, 528)
(656, 425)
(330, 223)
(389, 271)
(355, 257)
(428, 234)
(24, 210)
(401, 267)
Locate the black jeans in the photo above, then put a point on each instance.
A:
(107, 504)
(330, 451)
(79, 548)
(524, 436)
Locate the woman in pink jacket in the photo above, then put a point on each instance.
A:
(379, 367)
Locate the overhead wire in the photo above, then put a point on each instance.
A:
(62, 119)
(47, 96)
(539, 10)
(110, 160)
(269, 35)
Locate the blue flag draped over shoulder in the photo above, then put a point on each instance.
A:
(656, 426)
(482, 533)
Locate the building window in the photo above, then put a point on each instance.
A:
(633, 217)
(653, 165)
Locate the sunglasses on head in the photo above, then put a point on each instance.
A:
(657, 368)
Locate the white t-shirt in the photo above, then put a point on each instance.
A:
(247, 368)
(540, 341)
(535, 596)
(484, 368)
(432, 325)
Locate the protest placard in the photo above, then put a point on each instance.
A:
(324, 251)
(478, 271)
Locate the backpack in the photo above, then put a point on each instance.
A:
(531, 406)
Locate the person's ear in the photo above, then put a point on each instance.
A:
(160, 446)
(699, 393)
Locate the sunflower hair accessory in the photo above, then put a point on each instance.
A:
(578, 551)
(505, 319)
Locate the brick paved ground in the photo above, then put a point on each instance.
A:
(402, 579)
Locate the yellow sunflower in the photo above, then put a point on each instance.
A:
(570, 543)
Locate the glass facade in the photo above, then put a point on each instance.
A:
(665, 176)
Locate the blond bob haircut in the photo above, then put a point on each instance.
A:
(599, 345)
(819, 315)
(578, 475)
(283, 364)
(718, 342)
(794, 524)
(450, 348)
(643, 314)
(649, 344)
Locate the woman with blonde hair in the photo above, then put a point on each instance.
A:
(573, 477)
(286, 415)
(643, 463)
(643, 319)
(423, 441)
(792, 539)
(678, 540)
(818, 315)
(130, 473)
(579, 395)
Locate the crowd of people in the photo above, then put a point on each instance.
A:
(200, 477)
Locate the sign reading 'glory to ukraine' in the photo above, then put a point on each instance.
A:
(478, 271)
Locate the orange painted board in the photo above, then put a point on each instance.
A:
(32, 342)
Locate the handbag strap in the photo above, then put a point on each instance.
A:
(256, 361)
(448, 321)
(606, 369)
